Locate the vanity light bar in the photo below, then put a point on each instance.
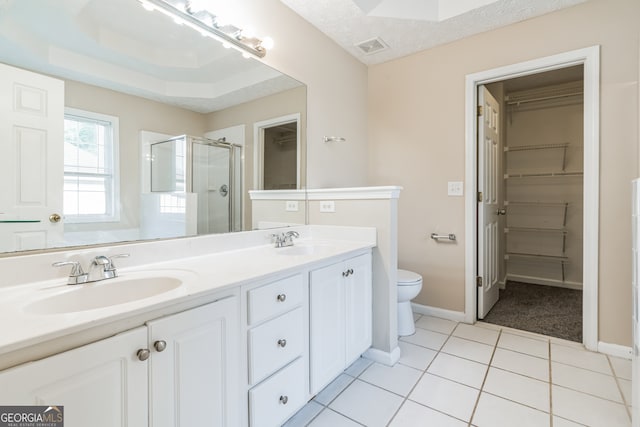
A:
(230, 37)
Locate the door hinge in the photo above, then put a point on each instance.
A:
(480, 111)
(479, 281)
(480, 196)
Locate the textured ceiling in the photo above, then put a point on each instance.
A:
(350, 22)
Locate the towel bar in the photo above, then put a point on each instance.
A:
(436, 236)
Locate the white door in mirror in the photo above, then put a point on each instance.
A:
(31, 131)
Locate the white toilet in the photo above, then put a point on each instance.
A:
(409, 285)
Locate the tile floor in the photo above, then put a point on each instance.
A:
(453, 374)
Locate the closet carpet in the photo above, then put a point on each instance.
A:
(546, 310)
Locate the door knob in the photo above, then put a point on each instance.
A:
(54, 217)
(501, 211)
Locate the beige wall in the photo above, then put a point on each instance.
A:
(271, 107)
(416, 138)
(135, 114)
(336, 92)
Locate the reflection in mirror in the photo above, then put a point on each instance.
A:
(111, 61)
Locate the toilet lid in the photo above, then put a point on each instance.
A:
(406, 277)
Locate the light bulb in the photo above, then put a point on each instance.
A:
(226, 45)
(246, 55)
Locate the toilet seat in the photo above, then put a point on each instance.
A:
(408, 278)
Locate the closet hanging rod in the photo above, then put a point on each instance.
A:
(542, 98)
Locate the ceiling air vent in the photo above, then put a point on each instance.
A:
(371, 46)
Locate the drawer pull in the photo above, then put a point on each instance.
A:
(282, 342)
(281, 297)
(284, 399)
(347, 273)
(143, 354)
(160, 345)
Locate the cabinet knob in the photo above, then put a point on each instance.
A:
(143, 354)
(281, 297)
(284, 399)
(282, 342)
(348, 272)
(501, 211)
(160, 345)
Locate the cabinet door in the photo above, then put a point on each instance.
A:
(326, 324)
(195, 379)
(100, 385)
(358, 306)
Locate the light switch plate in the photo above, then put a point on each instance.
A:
(327, 206)
(292, 206)
(455, 188)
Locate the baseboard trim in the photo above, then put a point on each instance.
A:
(614, 350)
(383, 357)
(546, 282)
(456, 316)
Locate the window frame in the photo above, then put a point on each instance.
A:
(114, 215)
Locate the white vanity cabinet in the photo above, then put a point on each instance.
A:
(194, 368)
(277, 330)
(100, 385)
(340, 317)
(180, 371)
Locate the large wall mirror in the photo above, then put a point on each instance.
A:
(117, 124)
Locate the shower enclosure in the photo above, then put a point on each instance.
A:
(208, 172)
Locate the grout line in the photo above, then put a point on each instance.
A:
(617, 380)
(486, 374)
(424, 372)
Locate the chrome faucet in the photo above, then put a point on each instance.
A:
(284, 239)
(101, 268)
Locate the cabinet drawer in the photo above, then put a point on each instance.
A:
(275, 298)
(279, 397)
(274, 344)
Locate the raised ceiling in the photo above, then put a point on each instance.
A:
(119, 45)
(409, 26)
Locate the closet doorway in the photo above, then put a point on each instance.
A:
(538, 210)
(476, 268)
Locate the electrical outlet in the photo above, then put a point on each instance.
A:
(455, 188)
(327, 206)
(291, 206)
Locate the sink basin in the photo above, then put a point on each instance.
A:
(304, 249)
(104, 293)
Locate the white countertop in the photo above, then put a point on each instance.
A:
(201, 276)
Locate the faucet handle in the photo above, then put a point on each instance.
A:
(113, 266)
(77, 273)
(293, 234)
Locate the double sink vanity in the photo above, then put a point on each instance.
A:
(221, 330)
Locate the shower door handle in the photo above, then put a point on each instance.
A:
(224, 190)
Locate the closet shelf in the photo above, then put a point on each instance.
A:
(562, 258)
(537, 229)
(537, 203)
(542, 174)
(536, 147)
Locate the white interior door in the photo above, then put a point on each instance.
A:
(488, 152)
(31, 159)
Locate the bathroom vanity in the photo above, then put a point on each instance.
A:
(233, 337)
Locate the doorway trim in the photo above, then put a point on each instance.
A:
(258, 147)
(590, 58)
